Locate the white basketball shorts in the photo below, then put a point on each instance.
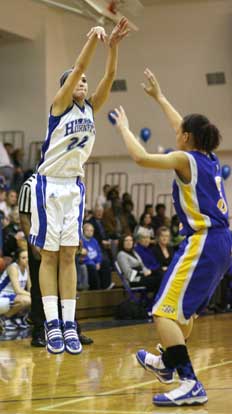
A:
(57, 210)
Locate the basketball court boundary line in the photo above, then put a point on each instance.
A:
(112, 392)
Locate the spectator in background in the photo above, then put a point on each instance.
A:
(102, 200)
(160, 218)
(145, 251)
(145, 224)
(15, 285)
(176, 237)
(99, 272)
(9, 147)
(163, 250)
(149, 209)
(6, 167)
(13, 236)
(11, 202)
(132, 266)
(100, 233)
(18, 178)
(3, 206)
(82, 271)
(114, 222)
(127, 208)
(126, 197)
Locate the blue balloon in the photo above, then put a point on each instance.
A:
(167, 150)
(226, 170)
(111, 119)
(145, 134)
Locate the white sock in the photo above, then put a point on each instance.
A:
(50, 305)
(68, 307)
(155, 361)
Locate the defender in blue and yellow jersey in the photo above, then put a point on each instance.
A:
(201, 204)
(204, 255)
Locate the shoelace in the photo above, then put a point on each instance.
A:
(54, 333)
(70, 334)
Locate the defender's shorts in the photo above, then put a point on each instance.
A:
(193, 275)
(57, 210)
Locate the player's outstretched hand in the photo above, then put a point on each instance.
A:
(120, 118)
(153, 88)
(99, 32)
(120, 31)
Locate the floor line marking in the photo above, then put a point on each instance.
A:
(141, 384)
(101, 411)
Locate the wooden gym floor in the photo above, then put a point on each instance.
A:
(106, 378)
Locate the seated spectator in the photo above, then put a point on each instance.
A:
(145, 224)
(15, 285)
(100, 232)
(18, 178)
(127, 208)
(99, 273)
(6, 167)
(82, 271)
(176, 237)
(11, 202)
(163, 250)
(9, 147)
(148, 209)
(133, 267)
(126, 197)
(13, 236)
(3, 207)
(102, 200)
(114, 222)
(160, 219)
(145, 251)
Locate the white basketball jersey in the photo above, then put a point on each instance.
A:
(69, 142)
(6, 287)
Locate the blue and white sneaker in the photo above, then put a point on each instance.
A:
(164, 375)
(7, 324)
(190, 392)
(21, 322)
(54, 337)
(71, 338)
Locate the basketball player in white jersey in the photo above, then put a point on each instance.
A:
(15, 285)
(58, 195)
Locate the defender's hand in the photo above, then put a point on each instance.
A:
(120, 31)
(120, 117)
(153, 89)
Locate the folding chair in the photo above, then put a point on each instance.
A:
(131, 291)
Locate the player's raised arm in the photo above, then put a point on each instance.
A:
(176, 160)
(102, 92)
(63, 98)
(153, 89)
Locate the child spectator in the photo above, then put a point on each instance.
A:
(99, 274)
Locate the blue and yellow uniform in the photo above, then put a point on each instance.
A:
(204, 255)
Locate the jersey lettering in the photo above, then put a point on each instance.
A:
(221, 204)
(76, 142)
